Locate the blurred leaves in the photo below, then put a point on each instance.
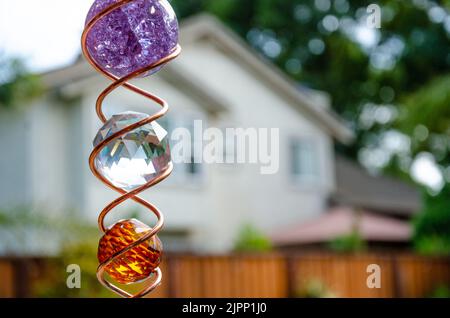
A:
(315, 288)
(441, 291)
(351, 243)
(432, 225)
(429, 107)
(17, 85)
(250, 239)
(82, 253)
(28, 231)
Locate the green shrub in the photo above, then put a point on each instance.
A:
(36, 231)
(348, 243)
(17, 85)
(315, 288)
(441, 291)
(432, 225)
(53, 284)
(250, 239)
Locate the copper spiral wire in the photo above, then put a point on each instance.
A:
(133, 195)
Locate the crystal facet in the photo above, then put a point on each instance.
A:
(133, 36)
(138, 263)
(135, 158)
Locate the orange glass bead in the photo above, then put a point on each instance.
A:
(136, 264)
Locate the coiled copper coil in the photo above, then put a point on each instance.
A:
(133, 195)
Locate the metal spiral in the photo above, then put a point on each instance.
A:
(116, 83)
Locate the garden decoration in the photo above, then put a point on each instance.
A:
(123, 40)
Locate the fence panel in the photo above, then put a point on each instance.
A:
(419, 276)
(271, 275)
(229, 276)
(7, 285)
(341, 276)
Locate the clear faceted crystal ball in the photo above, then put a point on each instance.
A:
(133, 36)
(135, 158)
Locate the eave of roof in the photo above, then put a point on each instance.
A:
(343, 221)
(356, 187)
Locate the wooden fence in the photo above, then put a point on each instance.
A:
(270, 275)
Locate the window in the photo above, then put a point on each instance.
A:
(176, 240)
(193, 168)
(304, 161)
(190, 172)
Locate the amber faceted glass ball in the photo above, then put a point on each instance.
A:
(138, 263)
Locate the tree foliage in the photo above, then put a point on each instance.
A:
(429, 109)
(432, 225)
(350, 243)
(17, 85)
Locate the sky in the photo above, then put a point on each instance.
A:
(46, 33)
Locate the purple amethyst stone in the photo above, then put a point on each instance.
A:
(133, 36)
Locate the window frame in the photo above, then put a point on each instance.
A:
(311, 180)
(181, 175)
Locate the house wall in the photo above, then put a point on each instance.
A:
(14, 152)
(241, 193)
(35, 156)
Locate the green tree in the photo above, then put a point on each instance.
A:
(429, 108)
(17, 85)
(432, 226)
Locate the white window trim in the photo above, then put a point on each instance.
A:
(181, 178)
(305, 182)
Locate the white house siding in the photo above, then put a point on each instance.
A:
(14, 152)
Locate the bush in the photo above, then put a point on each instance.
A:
(34, 231)
(83, 254)
(250, 239)
(442, 291)
(432, 225)
(17, 85)
(348, 243)
(315, 288)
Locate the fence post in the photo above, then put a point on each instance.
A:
(21, 278)
(396, 277)
(291, 264)
(171, 286)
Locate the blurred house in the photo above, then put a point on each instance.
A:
(221, 81)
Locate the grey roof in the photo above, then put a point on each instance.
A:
(342, 221)
(356, 187)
